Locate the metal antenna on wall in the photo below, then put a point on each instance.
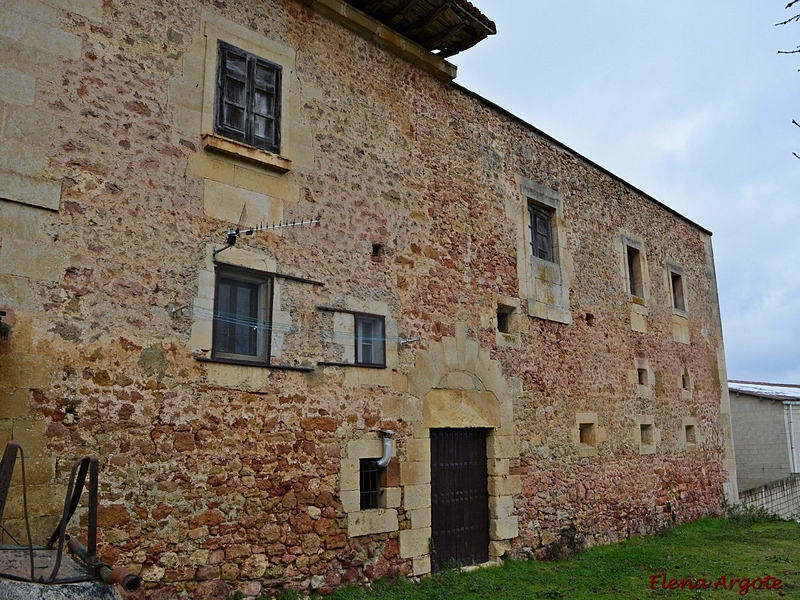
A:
(233, 234)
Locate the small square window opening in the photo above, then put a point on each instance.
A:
(540, 227)
(635, 272)
(370, 340)
(691, 436)
(369, 484)
(677, 291)
(505, 318)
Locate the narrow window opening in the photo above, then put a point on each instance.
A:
(377, 252)
(369, 482)
(647, 432)
(506, 318)
(642, 375)
(685, 381)
(677, 291)
(691, 436)
(635, 272)
(540, 226)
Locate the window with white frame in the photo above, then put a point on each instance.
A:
(370, 339)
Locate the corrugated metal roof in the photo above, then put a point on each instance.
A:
(446, 27)
(771, 391)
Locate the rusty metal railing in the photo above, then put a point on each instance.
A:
(59, 538)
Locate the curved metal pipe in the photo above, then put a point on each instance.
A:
(388, 443)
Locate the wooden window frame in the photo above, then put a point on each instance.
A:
(259, 316)
(541, 238)
(246, 134)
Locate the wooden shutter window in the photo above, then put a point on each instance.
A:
(248, 98)
(541, 232)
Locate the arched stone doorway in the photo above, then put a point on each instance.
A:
(455, 386)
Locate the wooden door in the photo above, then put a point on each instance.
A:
(460, 498)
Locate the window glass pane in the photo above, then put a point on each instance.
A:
(234, 117)
(370, 342)
(264, 104)
(240, 321)
(265, 77)
(235, 66)
(264, 128)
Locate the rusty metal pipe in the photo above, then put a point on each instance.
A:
(119, 575)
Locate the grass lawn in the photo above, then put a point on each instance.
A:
(740, 547)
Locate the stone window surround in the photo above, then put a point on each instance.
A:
(344, 328)
(672, 268)
(543, 284)
(216, 31)
(510, 307)
(223, 372)
(588, 448)
(369, 521)
(685, 423)
(680, 319)
(642, 422)
(637, 305)
(686, 392)
(644, 390)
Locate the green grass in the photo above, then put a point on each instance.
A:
(746, 545)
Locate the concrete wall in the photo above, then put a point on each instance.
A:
(761, 438)
(606, 414)
(781, 497)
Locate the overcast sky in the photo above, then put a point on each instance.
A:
(689, 101)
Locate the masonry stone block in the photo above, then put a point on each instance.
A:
(504, 485)
(14, 403)
(417, 496)
(421, 565)
(501, 507)
(31, 190)
(414, 542)
(418, 450)
(504, 529)
(349, 474)
(368, 522)
(17, 87)
(501, 446)
(461, 408)
(415, 473)
(393, 497)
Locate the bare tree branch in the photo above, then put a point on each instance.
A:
(787, 21)
(792, 3)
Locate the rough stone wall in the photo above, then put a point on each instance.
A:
(221, 472)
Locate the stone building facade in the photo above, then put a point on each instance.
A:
(469, 278)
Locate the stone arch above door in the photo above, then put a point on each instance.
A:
(456, 384)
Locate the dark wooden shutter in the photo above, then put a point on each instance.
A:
(541, 233)
(248, 98)
(459, 497)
